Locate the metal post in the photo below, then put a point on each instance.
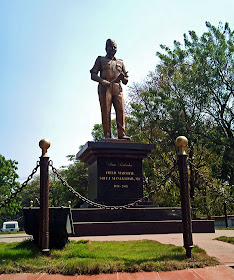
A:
(44, 197)
(182, 142)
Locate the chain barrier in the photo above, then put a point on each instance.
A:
(98, 205)
(219, 192)
(7, 201)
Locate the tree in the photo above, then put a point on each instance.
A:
(204, 72)
(190, 93)
(97, 132)
(76, 176)
(8, 185)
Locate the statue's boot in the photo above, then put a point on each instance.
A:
(124, 137)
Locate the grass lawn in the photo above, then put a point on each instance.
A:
(224, 228)
(10, 232)
(93, 257)
(226, 239)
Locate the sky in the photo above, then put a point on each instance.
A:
(48, 48)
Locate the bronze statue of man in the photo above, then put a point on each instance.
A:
(112, 73)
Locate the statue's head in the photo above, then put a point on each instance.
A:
(111, 47)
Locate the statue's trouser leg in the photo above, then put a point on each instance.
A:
(105, 99)
(118, 103)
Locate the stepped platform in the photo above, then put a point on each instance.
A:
(129, 214)
(102, 222)
(115, 178)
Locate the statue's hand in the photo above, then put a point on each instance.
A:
(105, 83)
(119, 78)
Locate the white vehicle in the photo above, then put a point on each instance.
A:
(11, 226)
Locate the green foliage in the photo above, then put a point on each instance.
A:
(76, 176)
(31, 192)
(226, 239)
(97, 131)
(201, 75)
(190, 93)
(8, 185)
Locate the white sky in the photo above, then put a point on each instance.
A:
(48, 47)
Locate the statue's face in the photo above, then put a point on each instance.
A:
(111, 49)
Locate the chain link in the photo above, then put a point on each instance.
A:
(24, 184)
(219, 192)
(98, 205)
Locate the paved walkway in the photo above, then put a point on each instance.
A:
(224, 252)
(209, 273)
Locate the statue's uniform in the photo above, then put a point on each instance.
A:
(109, 70)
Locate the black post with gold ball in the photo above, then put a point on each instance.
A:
(44, 197)
(181, 143)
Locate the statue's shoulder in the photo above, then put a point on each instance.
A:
(101, 57)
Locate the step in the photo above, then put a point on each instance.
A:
(139, 227)
(129, 214)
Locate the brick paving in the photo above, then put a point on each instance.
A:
(209, 273)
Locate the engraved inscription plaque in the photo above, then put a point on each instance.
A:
(119, 179)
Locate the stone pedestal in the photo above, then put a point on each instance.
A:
(115, 170)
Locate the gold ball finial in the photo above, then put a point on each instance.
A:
(69, 203)
(31, 203)
(182, 142)
(44, 144)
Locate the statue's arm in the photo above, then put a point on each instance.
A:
(95, 77)
(94, 73)
(125, 78)
(98, 79)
